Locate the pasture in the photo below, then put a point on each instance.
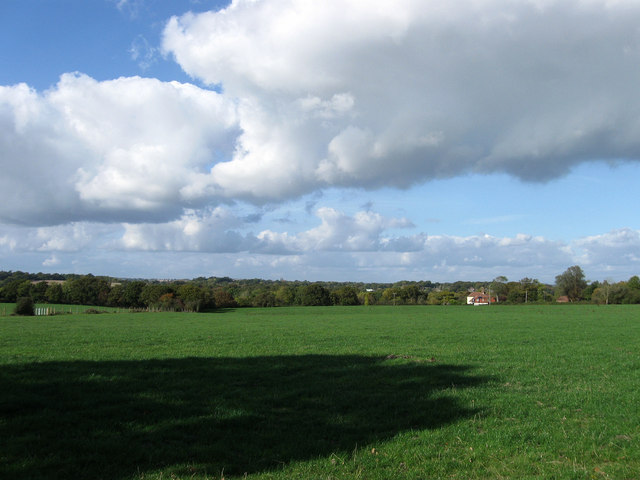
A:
(323, 393)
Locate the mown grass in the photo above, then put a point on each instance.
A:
(331, 393)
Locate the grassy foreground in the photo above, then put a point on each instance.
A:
(323, 393)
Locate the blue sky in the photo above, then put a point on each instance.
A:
(376, 141)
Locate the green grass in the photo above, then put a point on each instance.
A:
(7, 309)
(323, 393)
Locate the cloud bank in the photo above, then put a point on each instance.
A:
(370, 94)
(355, 247)
(312, 95)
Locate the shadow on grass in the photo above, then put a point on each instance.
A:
(117, 420)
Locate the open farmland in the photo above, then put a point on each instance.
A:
(331, 393)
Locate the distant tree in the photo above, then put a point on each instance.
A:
(131, 294)
(410, 294)
(499, 287)
(54, 293)
(571, 283)
(223, 298)
(314, 295)
(587, 293)
(265, 298)
(170, 303)
(16, 287)
(516, 293)
(24, 306)
(88, 290)
(285, 295)
(443, 297)
(633, 290)
(192, 296)
(530, 289)
(115, 296)
(347, 295)
(38, 291)
(151, 293)
(634, 283)
(391, 296)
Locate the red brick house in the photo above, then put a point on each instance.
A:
(480, 298)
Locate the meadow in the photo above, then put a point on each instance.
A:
(323, 393)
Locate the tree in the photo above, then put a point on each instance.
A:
(169, 303)
(115, 296)
(264, 298)
(192, 296)
(54, 293)
(14, 289)
(314, 295)
(444, 297)
(24, 306)
(391, 295)
(410, 293)
(38, 291)
(634, 283)
(499, 287)
(572, 282)
(285, 295)
(88, 290)
(131, 294)
(530, 288)
(224, 299)
(151, 293)
(347, 295)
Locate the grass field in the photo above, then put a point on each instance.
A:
(7, 309)
(323, 393)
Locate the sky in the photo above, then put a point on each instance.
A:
(349, 140)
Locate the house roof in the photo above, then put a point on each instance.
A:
(477, 294)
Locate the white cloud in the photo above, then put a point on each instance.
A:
(209, 232)
(616, 248)
(341, 246)
(143, 53)
(52, 261)
(323, 94)
(360, 244)
(72, 237)
(394, 93)
(108, 151)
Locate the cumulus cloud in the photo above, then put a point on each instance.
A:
(51, 261)
(382, 93)
(69, 238)
(363, 242)
(613, 249)
(328, 94)
(365, 245)
(220, 230)
(213, 231)
(118, 150)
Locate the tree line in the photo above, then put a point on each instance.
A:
(223, 292)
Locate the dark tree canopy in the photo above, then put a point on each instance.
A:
(572, 282)
(314, 295)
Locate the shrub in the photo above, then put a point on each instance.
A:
(24, 306)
